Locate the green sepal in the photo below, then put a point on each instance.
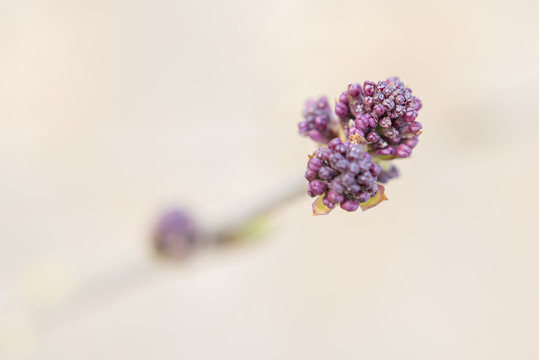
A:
(375, 200)
(319, 208)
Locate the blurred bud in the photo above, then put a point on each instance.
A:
(318, 121)
(175, 234)
(388, 173)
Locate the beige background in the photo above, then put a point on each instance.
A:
(112, 110)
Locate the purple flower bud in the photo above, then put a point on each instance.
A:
(403, 151)
(316, 187)
(372, 121)
(347, 179)
(341, 149)
(336, 185)
(385, 122)
(319, 152)
(303, 127)
(341, 165)
(341, 109)
(368, 102)
(392, 80)
(416, 104)
(388, 104)
(360, 124)
(375, 169)
(335, 157)
(319, 122)
(408, 95)
(354, 189)
(316, 135)
(386, 151)
(363, 196)
(385, 176)
(368, 88)
(410, 115)
(334, 143)
(175, 234)
(343, 98)
(366, 156)
(328, 203)
(363, 119)
(334, 197)
(325, 173)
(350, 205)
(325, 154)
(310, 174)
(378, 97)
(354, 90)
(395, 82)
(400, 110)
(411, 142)
(355, 153)
(373, 137)
(379, 110)
(354, 168)
(390, 132)
(355, 131)
(397, 92)
(365, 179)
(322, 103)
(315, 164)
(415, 127)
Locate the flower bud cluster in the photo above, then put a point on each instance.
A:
(384, 114)
(379, 122)
(343, 174)
(319, 122)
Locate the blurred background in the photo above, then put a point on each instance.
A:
(111, 111)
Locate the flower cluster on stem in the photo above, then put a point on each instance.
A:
(372, 124)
